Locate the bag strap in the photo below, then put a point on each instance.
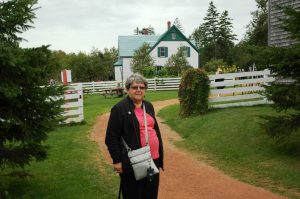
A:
(125, 144)
(146, 124)
(146, 130)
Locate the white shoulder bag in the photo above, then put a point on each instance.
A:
(140, 159)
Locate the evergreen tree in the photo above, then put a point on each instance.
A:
(256, 37)
(211, 25)
(214, 36)
(225, 29)
(198, 36)
(285, 64)
(226, 38)
(141, 59)
(16, 17)
(206, 34)
(144, 31)
(257, 30)
(289, 23)
(150, 30)
(177, 23)
(29, 107)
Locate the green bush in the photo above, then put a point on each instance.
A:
(149, 71)
(193, 92)
(213, 65)
(162, 72)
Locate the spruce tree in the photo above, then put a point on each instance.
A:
(226, 38)
(285, 90)
(257, 30)
(211, 24)
(214, 36)
(29, 106)
(177, 23)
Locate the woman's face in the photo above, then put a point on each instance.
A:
(137, 91)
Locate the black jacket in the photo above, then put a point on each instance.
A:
(123, 123)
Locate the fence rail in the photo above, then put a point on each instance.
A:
(163, 84)
(225, 88)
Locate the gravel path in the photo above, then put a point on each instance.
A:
(184, 176)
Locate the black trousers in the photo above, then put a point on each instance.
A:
(141, 189)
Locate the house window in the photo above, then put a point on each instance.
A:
(173, 36)
(162, 52)
(158, 68)
(186, 51)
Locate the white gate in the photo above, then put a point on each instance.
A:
(73, 104)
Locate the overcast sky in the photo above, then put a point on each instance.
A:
(77, 25)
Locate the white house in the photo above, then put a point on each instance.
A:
(162, 47)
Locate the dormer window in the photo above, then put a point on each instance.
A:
(173, 36)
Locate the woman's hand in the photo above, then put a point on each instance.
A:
(118, 167)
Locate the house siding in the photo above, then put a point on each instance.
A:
(118, 72)
(172, 49)
(277, 36)
(126, 70)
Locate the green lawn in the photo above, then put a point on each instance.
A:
(229, 139)
(232, 140)
(74, 167)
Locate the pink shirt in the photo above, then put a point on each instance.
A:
(152, 136)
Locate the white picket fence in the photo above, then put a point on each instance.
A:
(153, 84)
(163, 84)
(97, 87)
(227, 90)
(239, 89)
(73, 104)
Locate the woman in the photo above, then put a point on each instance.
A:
(126, 121)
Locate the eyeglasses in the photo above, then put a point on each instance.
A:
(142, 88)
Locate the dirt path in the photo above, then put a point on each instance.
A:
(184, 176)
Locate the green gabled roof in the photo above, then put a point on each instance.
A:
(119, 62)
(167, 36)
(128, 44)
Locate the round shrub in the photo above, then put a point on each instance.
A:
(193, 92)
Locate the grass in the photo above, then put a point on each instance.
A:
(232, 140)
(74, 167)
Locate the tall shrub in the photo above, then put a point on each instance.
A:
(193, 92)
(141, 59)
(178, 62)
